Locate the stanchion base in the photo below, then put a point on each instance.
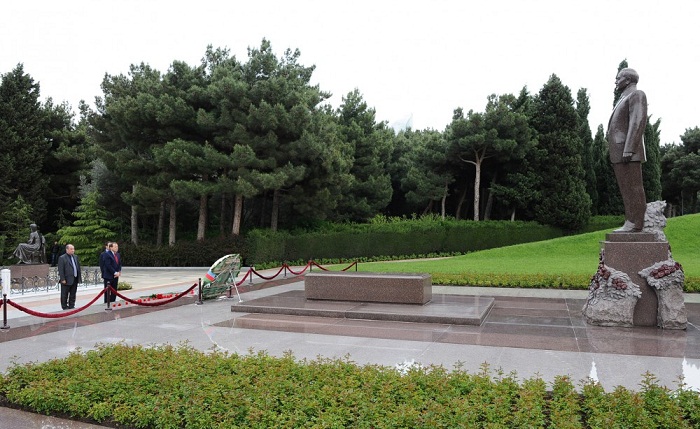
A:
(5, 327)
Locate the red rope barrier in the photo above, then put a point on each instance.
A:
(55, 315)
(349, 266)
(249, 273)
(300, 272)
(152, 304)
(314, 263)
(267, 278)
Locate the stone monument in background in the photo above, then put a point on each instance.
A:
(638, 283)
(31, 256)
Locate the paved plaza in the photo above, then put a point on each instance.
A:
(532, 332)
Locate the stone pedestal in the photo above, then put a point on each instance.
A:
(631, 253)
(398, 288)
(29, 270)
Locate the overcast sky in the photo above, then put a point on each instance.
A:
(413, 61)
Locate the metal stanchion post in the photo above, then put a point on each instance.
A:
(4, 312)
(356, 265)
(311, 266)
(250, 278)
(285, 269)
(199, 293)
(108, 296)
(5, 276)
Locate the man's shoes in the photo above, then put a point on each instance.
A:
(71, 307)
(628, 227)
(65, 308)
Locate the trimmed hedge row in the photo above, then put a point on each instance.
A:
(168, 387)
(182, 253)
(390, 239)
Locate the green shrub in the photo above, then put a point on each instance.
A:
(175, 387)
(384, 239)
(182, 253)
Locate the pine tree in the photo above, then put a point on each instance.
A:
(609, 198)
(23, 143)
(583, 107)
(565, 202)
(90, 230)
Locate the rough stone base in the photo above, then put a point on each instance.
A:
(672, 313)
(619, 312)
(631, 253)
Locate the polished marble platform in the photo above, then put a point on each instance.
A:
(444, 309)
(520, 322)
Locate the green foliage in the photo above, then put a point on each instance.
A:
(681, 173)
(372, 143)
(197, 253)
(175, 387)
(90, 230)
(564, 202)
(651, 170)
(609, 198)
(405, 237)
(23, 143)
(14, 222)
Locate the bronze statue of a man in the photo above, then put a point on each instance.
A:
(626, 146)
(32, 251)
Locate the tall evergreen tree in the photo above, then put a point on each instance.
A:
(127, 129)
(282, 104)
(583, 107)
(651, 170)
(609, 198)
(24, 143)
(370, 190)
(501, 132)
(681, 173)
(430, 170)
(565, 202)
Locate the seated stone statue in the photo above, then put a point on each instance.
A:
(32, 252)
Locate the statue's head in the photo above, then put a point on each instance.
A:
(631, 74)
(32, 227)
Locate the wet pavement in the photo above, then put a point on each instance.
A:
(532, 332)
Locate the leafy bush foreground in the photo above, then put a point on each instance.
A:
(176, 387)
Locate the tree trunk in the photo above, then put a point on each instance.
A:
(134, 221)
(202, 223)
(274, 214)
(134, 225)
(161, 224)
(173, 223)
(222, 216)
(512, 215)
(477, 185)
(237, 215)
(489, 200)
(462, 199)
(442, 203)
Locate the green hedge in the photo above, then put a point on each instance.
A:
(389, 239)
(175, 387)
(182, 253)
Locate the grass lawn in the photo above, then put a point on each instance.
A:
(576, 254)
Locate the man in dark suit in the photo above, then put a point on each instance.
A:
(626, 146)
(110, 262)
(69, 277)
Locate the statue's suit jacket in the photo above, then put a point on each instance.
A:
(626, 127)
